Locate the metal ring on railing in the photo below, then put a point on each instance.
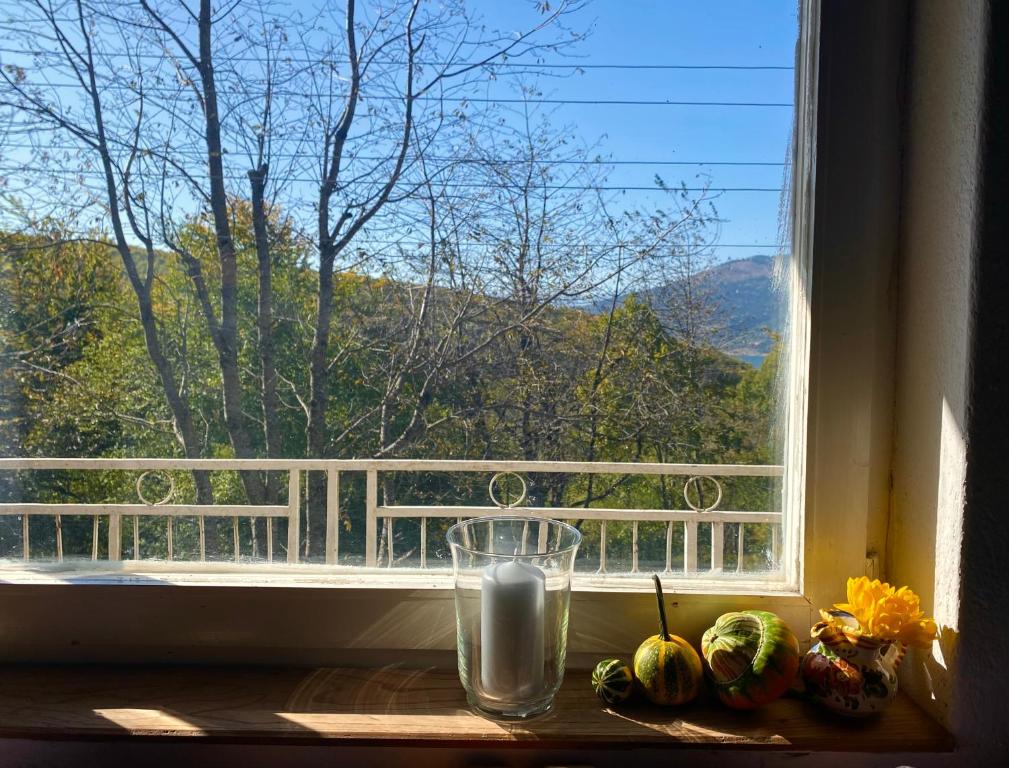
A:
(686, 493)
(499, 476)
(168, 496)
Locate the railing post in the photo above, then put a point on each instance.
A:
(634, 546)
(739, 549)
(423, 542)
(544, 533)
(371, 519)
(388, 529)
(202, 523)
(236, 541)
(115, 538)
(59, 538)
(690, 547)
(717, 547)
(332, 516)
(602, 547)
(269, 539)
(293, 515)
(669, 547)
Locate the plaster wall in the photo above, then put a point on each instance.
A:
(938, 227)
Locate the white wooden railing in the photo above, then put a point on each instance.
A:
(691, 518)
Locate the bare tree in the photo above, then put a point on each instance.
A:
(196, 65)
(354, 189)
(117, 156)
(479, 298)
(475, 229)
(158, 100)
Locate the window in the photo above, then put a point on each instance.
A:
(848, 65)
(460, 242)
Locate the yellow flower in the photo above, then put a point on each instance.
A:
(863, 596)
(919, 634)
(888, 614)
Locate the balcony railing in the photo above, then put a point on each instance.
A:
(123, 519)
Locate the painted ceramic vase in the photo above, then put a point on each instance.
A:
(850, 673)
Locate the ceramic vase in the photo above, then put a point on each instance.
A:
(848, 672)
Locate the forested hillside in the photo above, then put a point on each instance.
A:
(742, 312)
(562, 384)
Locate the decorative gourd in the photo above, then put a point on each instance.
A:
(613, 681)
(668, 669)
(751, 657)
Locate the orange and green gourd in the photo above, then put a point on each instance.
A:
(613, 681)
(668, 669)
(751, 657)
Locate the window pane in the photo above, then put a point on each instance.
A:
(481, 231)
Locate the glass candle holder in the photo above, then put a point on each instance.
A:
(512, 592)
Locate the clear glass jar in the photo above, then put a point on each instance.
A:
(512, 591)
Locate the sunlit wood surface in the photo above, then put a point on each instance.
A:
(401, 705)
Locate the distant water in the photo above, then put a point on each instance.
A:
(755, 360)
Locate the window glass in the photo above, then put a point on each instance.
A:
(457, 230)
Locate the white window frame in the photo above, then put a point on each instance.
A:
(840, 366)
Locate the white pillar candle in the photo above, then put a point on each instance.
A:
(512, 608)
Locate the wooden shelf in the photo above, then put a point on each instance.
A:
(399, 706)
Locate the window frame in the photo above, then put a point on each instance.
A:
(838, 427)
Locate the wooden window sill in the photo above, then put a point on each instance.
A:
(399, 706)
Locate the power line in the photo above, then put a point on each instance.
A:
(95, 173)
(472, 161)
(589, 246)
(460, 64)
(460, 99)
(595, 247)
(610, 102)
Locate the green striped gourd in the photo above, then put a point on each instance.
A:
(613, 681)
(751, 657)
(668, 669)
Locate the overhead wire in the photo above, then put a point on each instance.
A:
(431, 63)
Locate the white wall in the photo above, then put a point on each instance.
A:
(933, 326)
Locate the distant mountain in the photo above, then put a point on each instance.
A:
(742, 307)
(745, 306)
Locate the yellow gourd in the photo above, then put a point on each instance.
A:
(666, 666)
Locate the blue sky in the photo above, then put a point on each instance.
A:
(685, 32)
(732, 33)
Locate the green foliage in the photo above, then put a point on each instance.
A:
(563, 384)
